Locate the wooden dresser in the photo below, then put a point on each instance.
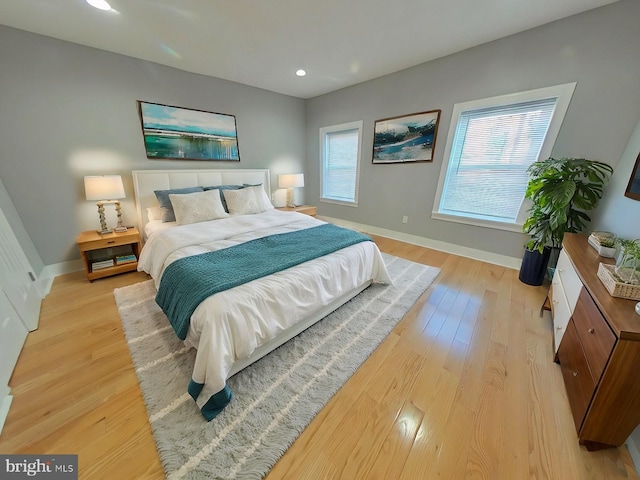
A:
(598, 351)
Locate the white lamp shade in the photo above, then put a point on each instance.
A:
(104, 187)
(291, 181)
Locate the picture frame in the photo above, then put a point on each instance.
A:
(176, 133)
(406, 138)
(633, 188)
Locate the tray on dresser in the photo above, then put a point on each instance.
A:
(614, 287)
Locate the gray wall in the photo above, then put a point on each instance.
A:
(597, 49)
(67, 111)
(616, 212)
(9, 210)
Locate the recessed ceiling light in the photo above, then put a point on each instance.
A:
(301, 73)
(100, 4)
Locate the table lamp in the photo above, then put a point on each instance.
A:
(106, 189)
(290, 182)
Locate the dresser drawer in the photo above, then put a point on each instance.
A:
(569, 278)
(101, 243)
(576, 374)
(596, 337)
(559, 311)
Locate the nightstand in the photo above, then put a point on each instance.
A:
(306, 209)
(109, 254)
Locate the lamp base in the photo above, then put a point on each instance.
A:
(290, 198)
(103, 222)
(119, 227)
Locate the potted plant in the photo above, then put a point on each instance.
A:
(561, 190)
(627, 268)
(604, 243)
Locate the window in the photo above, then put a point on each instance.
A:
(340, 147)
(491, 144)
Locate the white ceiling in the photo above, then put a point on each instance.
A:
(263, 42)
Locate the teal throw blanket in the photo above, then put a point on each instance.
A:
(188, 281)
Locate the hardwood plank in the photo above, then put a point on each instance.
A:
(464, 387)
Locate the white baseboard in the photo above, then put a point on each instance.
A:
(45, 280)
(633, 451)
(476, 254)
(4, 410)
(52, 271)
(43, 283)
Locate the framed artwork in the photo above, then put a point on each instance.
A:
(633, 189)
(408, 138)
(186, 134)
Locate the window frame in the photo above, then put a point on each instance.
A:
(324, 131)
(562, 93)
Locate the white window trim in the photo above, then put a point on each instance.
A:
(562, 92)
(357, 125)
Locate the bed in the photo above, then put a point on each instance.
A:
(242, 278)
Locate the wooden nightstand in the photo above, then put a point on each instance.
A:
(306, 209)
(95, 247)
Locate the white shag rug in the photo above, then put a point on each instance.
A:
(274, 398)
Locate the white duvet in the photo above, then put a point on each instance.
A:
(228, 326)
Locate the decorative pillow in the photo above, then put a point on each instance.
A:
(165, 203)
(197, 207)
(261, 196)
(247, 201)
(225, 187)
(154, 213)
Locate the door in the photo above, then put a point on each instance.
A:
(13, 333)
(16, 277)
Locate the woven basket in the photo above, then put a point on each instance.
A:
(614, 287)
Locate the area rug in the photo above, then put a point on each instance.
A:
(276, 397)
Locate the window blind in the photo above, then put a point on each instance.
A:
(491, 151)
(340, 165)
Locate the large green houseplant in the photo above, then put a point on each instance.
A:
(561, 190)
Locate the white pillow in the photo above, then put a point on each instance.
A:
(154, 213)
(263, 198)
(246, 201)
(197, 207)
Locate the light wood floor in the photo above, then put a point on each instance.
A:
(465, 387)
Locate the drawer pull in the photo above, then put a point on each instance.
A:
(111, 241)
(591, 330)
(575, 374)
(559, 327)
(555, 302)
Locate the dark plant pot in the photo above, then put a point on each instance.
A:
(553, 262)
(534, 266)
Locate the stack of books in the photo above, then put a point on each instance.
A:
(100, 264)
(122, 259)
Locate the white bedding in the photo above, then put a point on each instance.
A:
(230, 325)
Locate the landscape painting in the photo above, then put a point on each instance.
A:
(408, 138)
(633, 188)
(185, 134)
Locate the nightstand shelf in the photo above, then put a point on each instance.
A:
(306, 209)
(94, 247)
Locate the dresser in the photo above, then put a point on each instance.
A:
(563, 293)
(597, 340)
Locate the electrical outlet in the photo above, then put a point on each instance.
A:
(405, 219)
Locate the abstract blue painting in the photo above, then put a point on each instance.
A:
(187, 134)
(408, 138)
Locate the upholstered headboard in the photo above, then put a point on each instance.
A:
(146, 181)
